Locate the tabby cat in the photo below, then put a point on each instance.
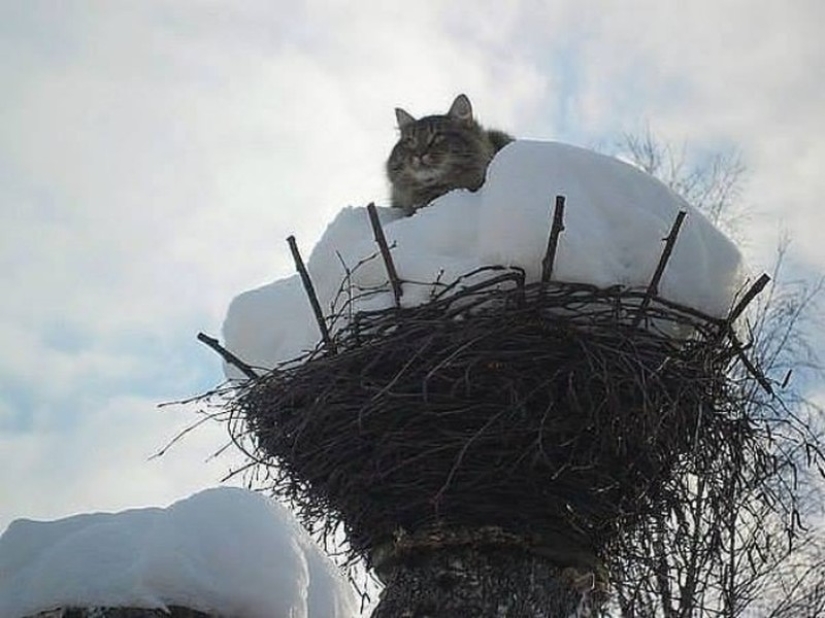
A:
(439, 153)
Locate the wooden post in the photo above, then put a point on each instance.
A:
(310, 290)
(553, 241)
(378, 232)
(653, 287)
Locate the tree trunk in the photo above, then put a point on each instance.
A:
(120, 612)
(473, 582)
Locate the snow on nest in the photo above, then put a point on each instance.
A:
(228, 551)
(616, 218)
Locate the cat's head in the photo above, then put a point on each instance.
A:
(450, 148)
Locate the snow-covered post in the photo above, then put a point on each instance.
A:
(221, 552)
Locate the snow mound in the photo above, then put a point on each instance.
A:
(616, 218)
(227, 551)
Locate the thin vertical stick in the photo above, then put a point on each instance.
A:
(310, 290)
(653, 287)
(553, 241)
(378, 232)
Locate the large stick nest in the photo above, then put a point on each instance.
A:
(551, 410)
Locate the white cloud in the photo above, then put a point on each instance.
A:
(102, 462)
(747, 73)
(154, 156)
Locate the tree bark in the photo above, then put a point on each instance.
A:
(120, 612)
(489, 582)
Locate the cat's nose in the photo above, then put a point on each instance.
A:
(423, 160)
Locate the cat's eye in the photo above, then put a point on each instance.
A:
(436, 139)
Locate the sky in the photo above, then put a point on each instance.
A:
(154, 156)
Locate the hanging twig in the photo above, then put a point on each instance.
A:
(553, 241)
(227, 355)
(653, 287)
(752, 369)
(310, 290)
(378, 232)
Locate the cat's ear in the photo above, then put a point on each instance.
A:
(461, 109)
(403, 118)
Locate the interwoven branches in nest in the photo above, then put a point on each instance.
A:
(543, 409)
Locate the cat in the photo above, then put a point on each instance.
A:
(439, 153)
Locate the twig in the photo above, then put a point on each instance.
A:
(740, 307)
(378, 231)
(757, 287)
(310, 290)
(227, 355)
(754, 371)
(553, 241)
(184, 432)
(653, 287)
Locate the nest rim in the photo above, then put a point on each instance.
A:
(321, 492)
